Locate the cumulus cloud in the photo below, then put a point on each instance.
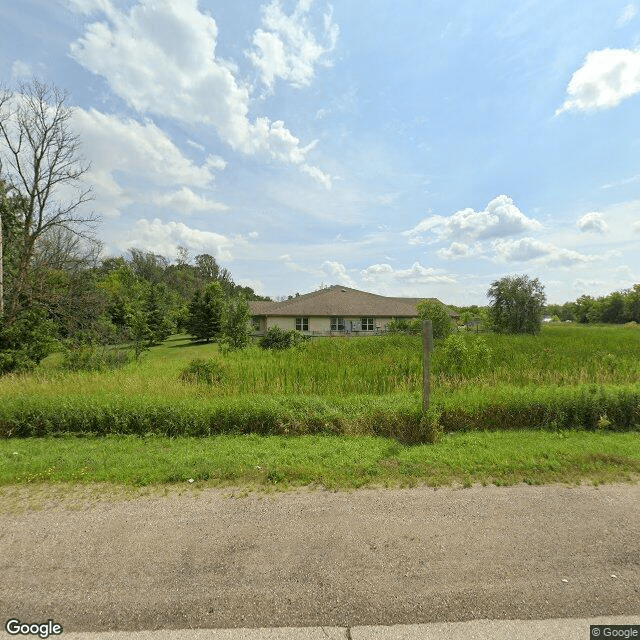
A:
(501, 218)
(594, 222)
(286, 46)
(338, 271)
(142, 152)
(460, 250)
(605, 79)
(160, 57)
(530, 249)
(165, 238)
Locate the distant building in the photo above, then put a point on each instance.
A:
(336, 310)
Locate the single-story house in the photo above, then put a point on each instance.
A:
(335, 310)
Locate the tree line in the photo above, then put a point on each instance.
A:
(54, 286)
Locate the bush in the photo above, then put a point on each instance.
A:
(94, 358)
(441, 322)
(277, 338)
(26, 342)
(461, 355)
(404, 325)
(204, 372)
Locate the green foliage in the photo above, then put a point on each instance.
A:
(237, 329)
(158, 321)
(517, 304)
(25, 342)
(441, 322)
(202, 371)
(464, 355)
(587, 407)
(94, 358)
(568, 377)
(277, 338)
(206, 313)
(405, 325)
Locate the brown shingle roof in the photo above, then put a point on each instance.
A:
(340, 301)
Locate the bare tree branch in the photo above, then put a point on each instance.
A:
(42, 161)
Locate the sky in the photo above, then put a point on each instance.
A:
(418, 148)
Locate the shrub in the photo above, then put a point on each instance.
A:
(404, 325)
(26, 342)
(277, 338)
(464, 356)
(204, 372)
(441, 322)
(94, 358)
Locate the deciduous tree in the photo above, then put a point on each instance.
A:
(41, 161)
(441, 322)
(516, 304)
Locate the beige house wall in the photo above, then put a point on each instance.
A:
(321, 325)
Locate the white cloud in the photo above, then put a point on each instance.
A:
(141, 151)
(160, 58)
(286, 46)
(21, 70)
(416, 274)
(628, 14)
(605, 79)
(216, 162)
(185, 200)
(165, 238)
(592, 221)
(636, 227)
(460, 250)
(338, 271)
(501, 218)
(530, 249)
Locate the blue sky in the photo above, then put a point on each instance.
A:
(418, 148)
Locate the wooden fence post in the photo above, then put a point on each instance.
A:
(427, 346)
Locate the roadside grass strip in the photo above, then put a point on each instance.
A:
(329, 462)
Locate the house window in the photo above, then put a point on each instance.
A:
(337, 324)
(302, 324)
(367, 324)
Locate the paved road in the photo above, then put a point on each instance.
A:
(321, 559)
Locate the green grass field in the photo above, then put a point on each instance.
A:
(563, 406)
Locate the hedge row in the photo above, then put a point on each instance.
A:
(283, 415)
(397, 416)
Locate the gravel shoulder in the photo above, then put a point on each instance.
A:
(217, 558)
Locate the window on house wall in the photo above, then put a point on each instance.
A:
(337, 324)
(367, 324)
(302, 324)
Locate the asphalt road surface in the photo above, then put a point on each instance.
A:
(210, 559)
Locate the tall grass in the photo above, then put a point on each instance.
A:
(559, 356)
(564, 378)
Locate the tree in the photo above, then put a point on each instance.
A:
(26, 342)
(206, 313)
(516, 304)
(238, 329)
(40, 159)
(157, 315)
(434, 310)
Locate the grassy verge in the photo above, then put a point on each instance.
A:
(333, 462)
